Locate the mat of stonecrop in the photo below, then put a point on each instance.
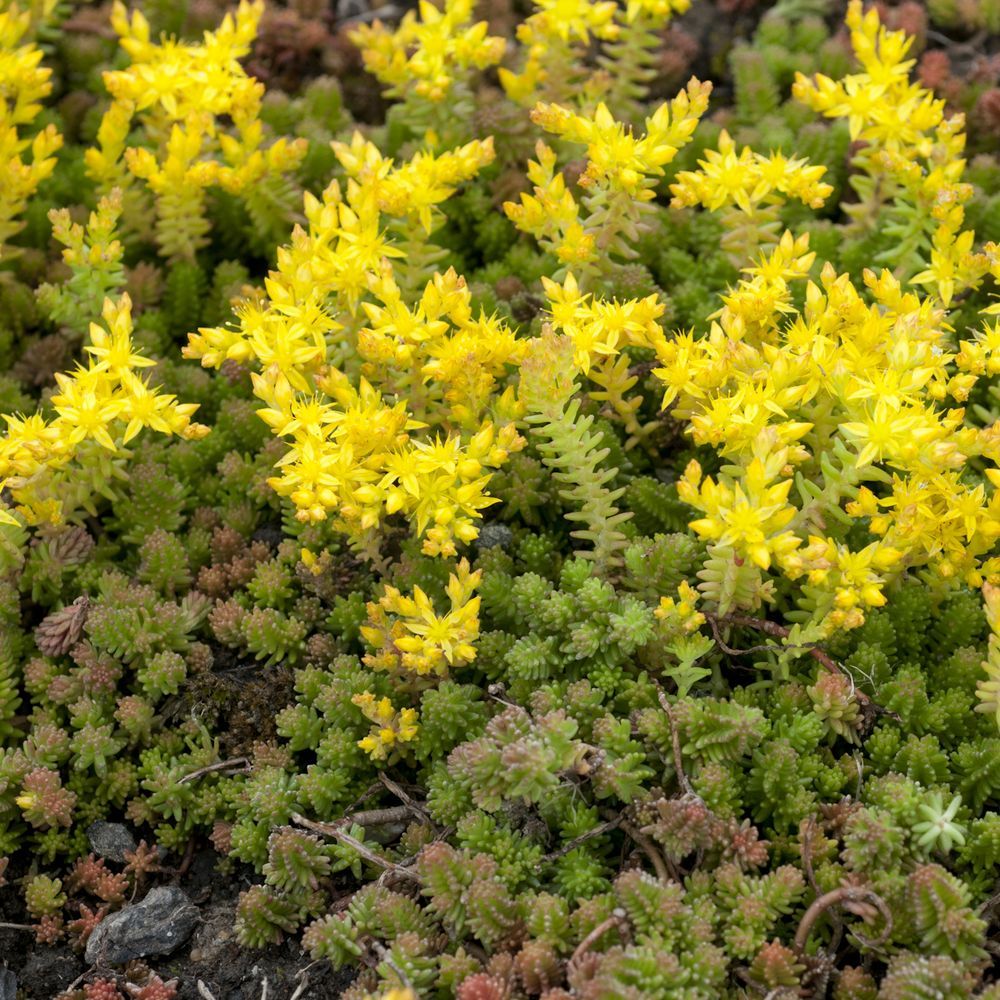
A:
(485, 514)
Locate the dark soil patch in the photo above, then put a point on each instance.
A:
(213, 956)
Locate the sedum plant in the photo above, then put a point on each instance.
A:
(582, 581)
(26, 159)
(429, 61)
(53, 468)
(180, 95)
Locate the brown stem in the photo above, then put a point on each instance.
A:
(186, 861)
(378, 817)
(808, 829)
(989, 904)
(4, 926)
(497, 692)
(675, 742)
(404, 796)
(385, 956)
(824, 659)
(649, 849)
(806, 848)
(616, 919)
(766, 647)
(779, 632)
(373, 789)
(836, 897)
(611, 824)
(338, 833)
(238, 765)
(302, 979)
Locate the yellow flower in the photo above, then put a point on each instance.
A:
(551, 214)
(430, 50)
(907, 145)
(617, 159)
(655, 9)
(749, 516)
(681, 613)
(200, 110)
(24, 84)
(748, 179)
(416, 639)
(105, 403)
(599, 327)
(389, 728)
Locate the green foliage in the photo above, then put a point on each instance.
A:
(583, 810)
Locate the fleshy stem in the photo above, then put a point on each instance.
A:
(629, 62)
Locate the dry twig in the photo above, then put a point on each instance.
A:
(617, 919)
(404, 796)
(338, 833)
(379, 817)
(675, 742)
(650, 850)
(238, 765)
(824, 659)
(596, 831)
(837, 897)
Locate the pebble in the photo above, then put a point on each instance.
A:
(494, 534)
(110, 840)
(158, 925)
(8, 985)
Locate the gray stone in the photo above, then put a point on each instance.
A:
(110, 840)
(8, 985)
(158, 925)
(494, 534)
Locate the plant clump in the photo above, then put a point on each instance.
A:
(537, 534)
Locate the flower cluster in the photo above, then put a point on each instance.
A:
(181, 94)
(601, 331)
(555, 39)
(619, 179)
(352, 451)
(754, 186)
(431, 51)
(24, 83)
(389, 727)
(850, 410)
(552, 39)
(99, 409)
(910, 155)
(94, 256)
(416, 639)
(581, 597)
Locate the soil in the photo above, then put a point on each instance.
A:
(212, 956)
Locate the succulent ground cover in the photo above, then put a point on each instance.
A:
(499, 503)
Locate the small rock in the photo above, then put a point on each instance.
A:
(351, 8)
(158, 925)
(271, 535)
(494, 534)
(8, 985)
(110, 840)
